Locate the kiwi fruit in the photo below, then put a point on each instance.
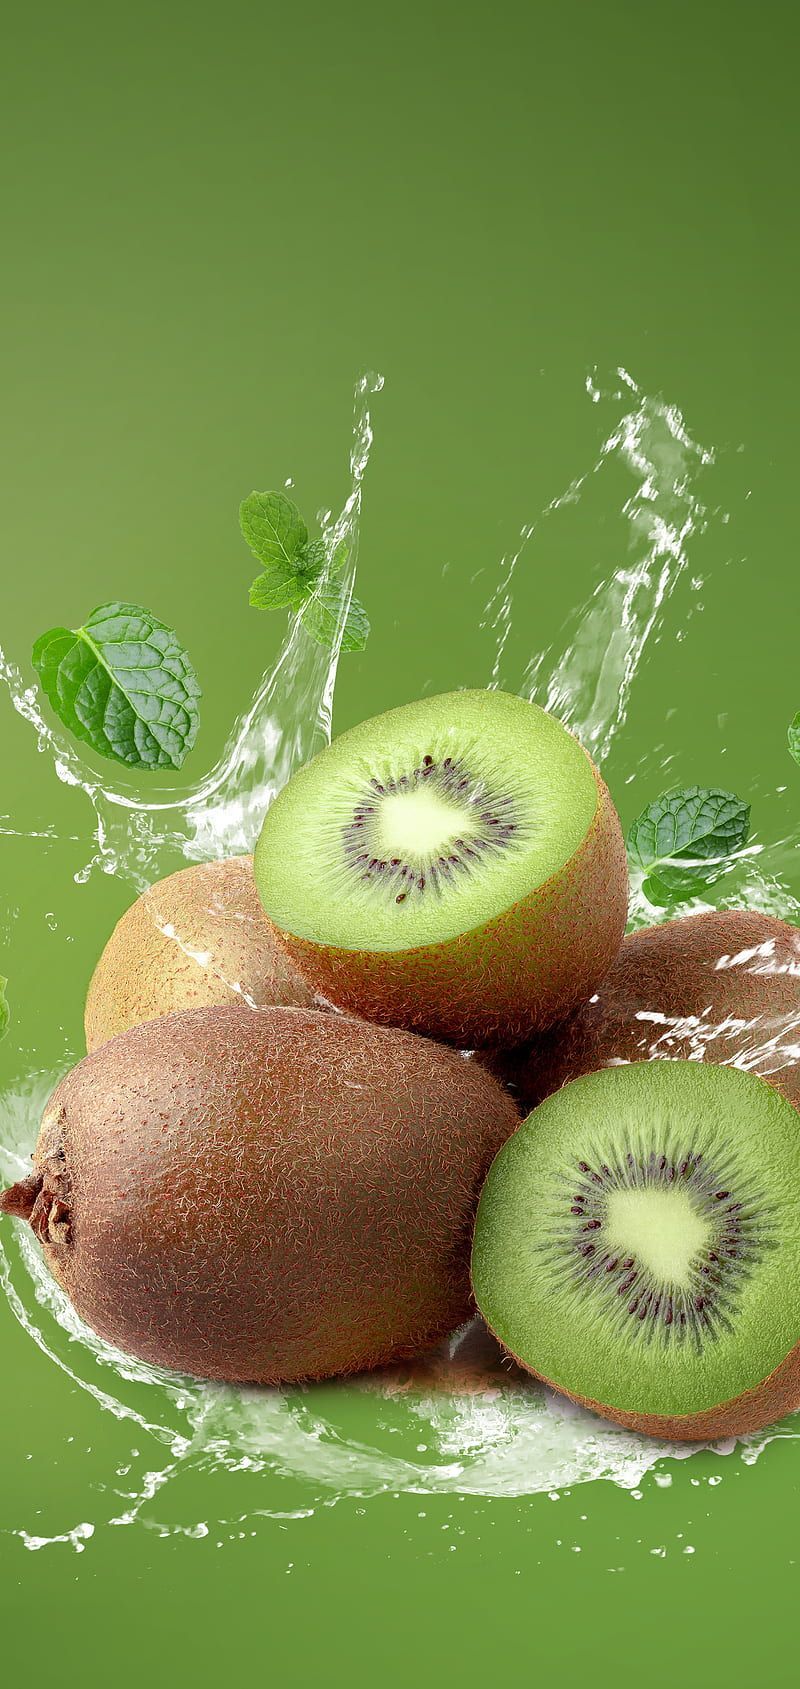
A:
(195, 938)
(637, 1246)
(721, 987)
(265, 1197)
(454, 866)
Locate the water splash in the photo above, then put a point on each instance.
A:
(460, 1420)
(587, 683)
(288, 720)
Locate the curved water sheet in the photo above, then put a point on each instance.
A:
(288, 720)
(460, 1421)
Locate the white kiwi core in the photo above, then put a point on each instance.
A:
(662, 1228)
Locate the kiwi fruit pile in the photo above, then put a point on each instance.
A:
(307, 1073)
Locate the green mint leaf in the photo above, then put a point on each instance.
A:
(273, 528)
(794, 738)
(124, 684)
(695, 822)
(299, 573)
(339, 557)
(685, 839)
(287, 585)
(279, 588)
(5, 1012)
(321, 618)
(313, 559)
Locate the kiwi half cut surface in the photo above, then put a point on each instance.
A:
(454, 866)
(637, 1246)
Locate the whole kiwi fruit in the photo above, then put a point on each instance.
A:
(265, 1197)
(721, 987)
(197, 937)
(637, 1246)
(455, 866)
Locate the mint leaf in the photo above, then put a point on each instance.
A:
(313, 557)
(317, 556)
(794, 738)
(124, 684)
(321, 615)
(5, 1012)
(685, 839)
(287, 584)
(273, 528)
(280, 588)
(299, 573)
(696, 821)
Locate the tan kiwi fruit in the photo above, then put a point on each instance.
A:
(265, 1197)
(198, 937)
(719, 987)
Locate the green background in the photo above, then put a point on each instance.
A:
(213, 220)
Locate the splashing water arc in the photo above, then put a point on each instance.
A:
(484, 1430)
(288, 720)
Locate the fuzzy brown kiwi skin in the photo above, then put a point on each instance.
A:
(265, 1197)
(214, 908)
(671, 969)
(776, 1395)
(502, 982)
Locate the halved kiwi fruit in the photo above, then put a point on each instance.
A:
(265, 1196)
(455, 866)
(637, 1246)
(198, 937)
(719, 987)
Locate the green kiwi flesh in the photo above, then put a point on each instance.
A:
(268, 1196)
(718, 987)
(455, 866)
(196, 938)
(637, 1245)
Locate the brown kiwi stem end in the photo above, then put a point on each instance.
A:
(39, 1199)
(20, 1199)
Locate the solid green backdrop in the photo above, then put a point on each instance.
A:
(213, 219)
